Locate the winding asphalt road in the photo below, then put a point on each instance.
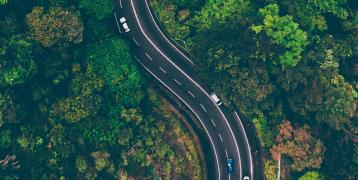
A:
(161, 58)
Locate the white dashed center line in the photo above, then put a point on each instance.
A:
(136, 58)
(220, 138)
(148, 56)
(162, 70)
(191, 94)
(177, 81)
(212, 121)
(135, 41)
(203, 107)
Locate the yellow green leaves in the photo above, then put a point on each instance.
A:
(282, 31)
(54, 27)
(16, 61)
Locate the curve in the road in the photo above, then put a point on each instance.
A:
(168, 59)
(161, 66)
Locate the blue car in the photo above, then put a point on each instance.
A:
(229, 165)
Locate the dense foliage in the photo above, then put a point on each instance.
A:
(290, 66)
(73, 103)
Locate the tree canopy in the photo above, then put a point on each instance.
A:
(55, 26)
(283, 31)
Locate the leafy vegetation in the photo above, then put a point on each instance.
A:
(74, 105)
(290, 66)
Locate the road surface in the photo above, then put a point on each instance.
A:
(161, 58)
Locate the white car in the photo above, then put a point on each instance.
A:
(124, 23)
(216, 99)
(246, 178)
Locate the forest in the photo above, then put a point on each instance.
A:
(74, 104)
(290, 66)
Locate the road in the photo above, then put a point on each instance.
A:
(166, 63)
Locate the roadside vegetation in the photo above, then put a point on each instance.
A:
(289, 66)
(73, 103)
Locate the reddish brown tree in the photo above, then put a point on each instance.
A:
(304, 150)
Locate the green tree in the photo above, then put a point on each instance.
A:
(333, 101)
(84, 100)
(101, 159)
(271, 170)
(355, 155)
(9, 25)
(311, 175)
(3, 2)
(178, 30)
(57, 26)
(131, 114)
(283, 31)
(81, 164)
(99, 8)
(190, 4)
(112, 61)
(220, 12)
(339, 104)
(311, 14)
(16, 61)
(5, 139)
(263, 130)
(10, 112)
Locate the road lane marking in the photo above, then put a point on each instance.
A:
(162, 70)
(206, 130)
(148, 56)
(135, 41)
(156, 25)
(191, 94)
(115, 17)
(187, 76)
(226, 154)
(177, 81)
(166, 57)
(203, 107)
(137, 59)
(213, 122)
(220, 137)
(248, 146)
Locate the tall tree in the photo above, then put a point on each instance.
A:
(99, 8)
(84, 100)
(283, 31)
(57, 26)
(220, 12)
(304, 150)
(16, 61)
(312, 14)
(112, 61)
(311, 175)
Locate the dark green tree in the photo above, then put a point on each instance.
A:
(99, 8)
(112, 61)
